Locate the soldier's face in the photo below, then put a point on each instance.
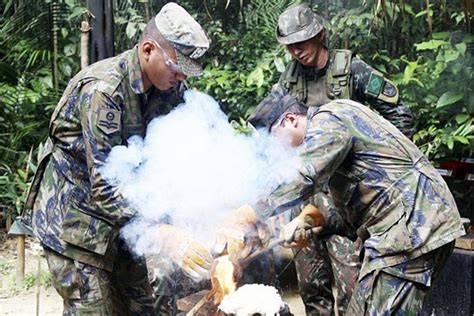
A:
(307, 52)
(290, 130)
(160, 68)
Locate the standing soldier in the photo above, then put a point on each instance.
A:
(315, 77)
(76, 214)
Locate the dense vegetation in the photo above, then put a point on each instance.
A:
(425, 46)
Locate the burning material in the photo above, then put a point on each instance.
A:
(252, 299)
(223, 279)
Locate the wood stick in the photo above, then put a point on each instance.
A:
(198, 305)
(20, 268)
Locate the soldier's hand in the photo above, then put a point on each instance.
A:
(241, 234)
(300, 230)
(191, 256)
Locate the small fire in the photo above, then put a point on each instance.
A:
(222, 279)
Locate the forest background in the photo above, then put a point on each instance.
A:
(424, 46)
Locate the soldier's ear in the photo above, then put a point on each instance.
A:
(292, 119)
(147, 48)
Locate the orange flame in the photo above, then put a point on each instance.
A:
(222, 279)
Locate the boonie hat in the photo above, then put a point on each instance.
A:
(186, 36)
(297, 24)
(270, 109)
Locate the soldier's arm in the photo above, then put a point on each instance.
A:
(372, 88)
(327, 144)
(101, 123)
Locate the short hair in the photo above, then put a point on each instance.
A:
(273, 107)
(151, 31)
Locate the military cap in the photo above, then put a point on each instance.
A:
(270, 109)
(186, 36)
(297, 24)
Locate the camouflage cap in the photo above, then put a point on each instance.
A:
(270, 109)
(186, 36)
(297, 24)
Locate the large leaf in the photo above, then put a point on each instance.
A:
(461, 118)
(448, 98)
(433, 44)
(256, 77)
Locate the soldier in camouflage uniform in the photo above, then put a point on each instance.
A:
(74, 212)
(316, 76)
(385, 192)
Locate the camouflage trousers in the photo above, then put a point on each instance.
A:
(87, 290)
(398, 290)
(324, 264)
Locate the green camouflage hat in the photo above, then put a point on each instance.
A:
(298, 23)
(186, 36)
(270, 109)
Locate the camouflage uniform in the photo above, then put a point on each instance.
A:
(343, 77)
(387, 193)
(76, 213)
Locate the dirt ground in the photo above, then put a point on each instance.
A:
(22, 299)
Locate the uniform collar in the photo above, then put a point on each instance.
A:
(313, 72)
(135, 72)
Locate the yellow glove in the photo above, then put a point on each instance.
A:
(298, 232)
(241, 234)
(179, 246)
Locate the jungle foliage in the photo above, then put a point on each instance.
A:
(424, 46)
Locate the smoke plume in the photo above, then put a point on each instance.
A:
(192, 169)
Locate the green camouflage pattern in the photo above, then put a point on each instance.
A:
(396, 290)
(87, 290)
(297, 24)
(345, 264)
(384, 189)
(331, 260)
(315, 87)
(75, 211)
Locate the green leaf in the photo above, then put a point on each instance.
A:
(448, 98)
(64, 32)
(450, 55)
(433, 44)
(461, 47)
(76, 12)
(131, 29)
(256, 77)
(441, 35)
(69, 49)
(450, 143)
(461, 118)
(461, 139)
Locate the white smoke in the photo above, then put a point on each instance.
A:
(192, 168)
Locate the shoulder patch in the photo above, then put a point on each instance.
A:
(389, 89)
(375, 84)
(109, 120)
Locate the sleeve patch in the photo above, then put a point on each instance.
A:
(389, 89)
(108, 120)
(375, 84)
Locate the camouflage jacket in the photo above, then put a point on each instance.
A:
(383, 187)
(75, 212)
(347, 78)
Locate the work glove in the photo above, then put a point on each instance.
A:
(182, 249)
(299, 231)
(241, 234)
